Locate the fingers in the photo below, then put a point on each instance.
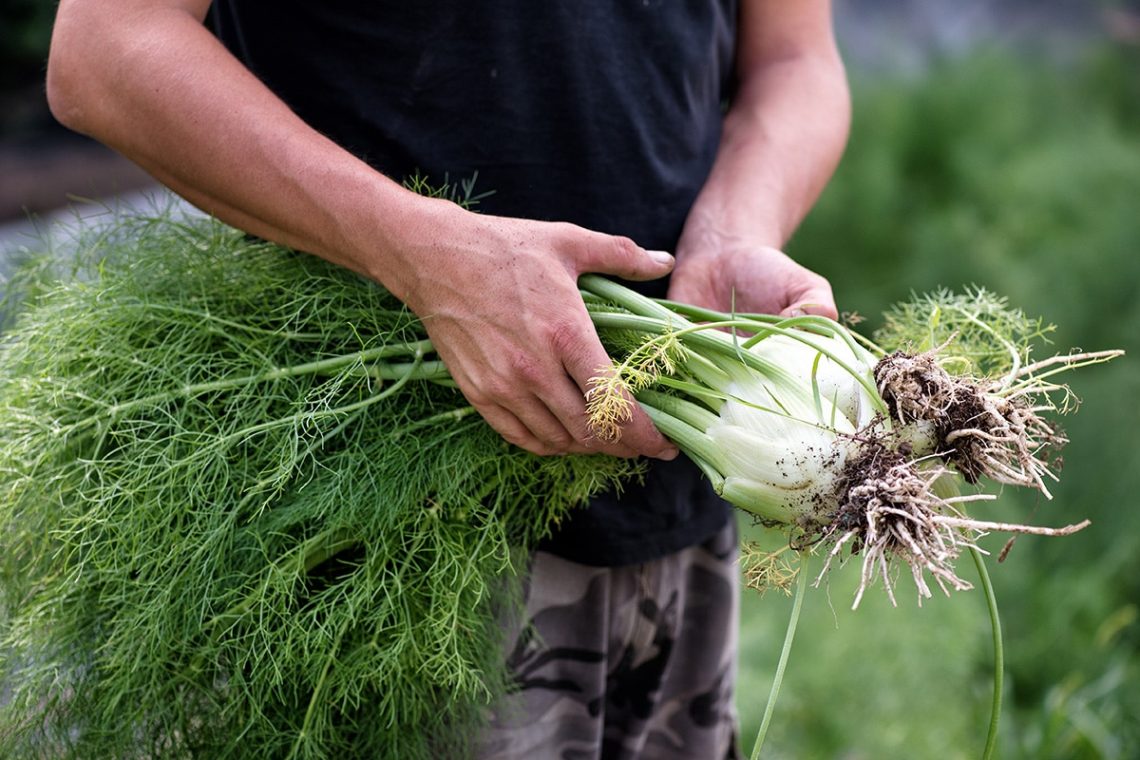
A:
(584, 359)
(558, 424)
(534, 404)
(550, 425)
(817, 300)
(619, 256)
(758, 279)
(810, 293)
(546, 413)
(540, 434)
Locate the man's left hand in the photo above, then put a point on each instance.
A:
(745, 278)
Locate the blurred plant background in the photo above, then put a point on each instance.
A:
(1000, 150)
(994, 144)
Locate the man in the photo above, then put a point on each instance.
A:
(602, 130)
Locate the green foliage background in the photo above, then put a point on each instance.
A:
(1023, 176)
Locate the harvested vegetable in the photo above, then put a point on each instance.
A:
(844, 442)
(244, 511)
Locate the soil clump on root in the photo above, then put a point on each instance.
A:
(977, 425)
(888, 512)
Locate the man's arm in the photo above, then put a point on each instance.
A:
(783, 136)
(498, 296)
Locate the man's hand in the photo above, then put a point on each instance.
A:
(500, 301)
(726, 274)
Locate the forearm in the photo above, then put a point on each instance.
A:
(154, 84)
(783, 137)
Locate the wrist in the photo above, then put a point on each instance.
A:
(402, 237)
(717, 235)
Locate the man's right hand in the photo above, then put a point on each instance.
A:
(500, 301)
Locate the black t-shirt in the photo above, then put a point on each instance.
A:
(605, 114)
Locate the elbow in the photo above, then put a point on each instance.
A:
(65, 90)
(61, 99)
(77, 63)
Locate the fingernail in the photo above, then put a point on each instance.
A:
(669, 455)
(797, 313)
(661, 257)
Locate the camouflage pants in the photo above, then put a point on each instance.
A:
(624, 663)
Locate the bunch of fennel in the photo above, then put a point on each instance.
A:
(233, 524)
(841, 441)
(244, 511)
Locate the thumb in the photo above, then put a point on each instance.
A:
(621, 257)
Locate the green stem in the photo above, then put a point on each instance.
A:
(647, 307)
(694, 442)
(450, 416)
(411, 372)
(703, 337)
(628, 299)
(318, 691)
(710, 399)
(206, 315)
(433, 370)
(999, 654)
(277, 373)
(686, 411)
(698, 314)
(797, 605)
